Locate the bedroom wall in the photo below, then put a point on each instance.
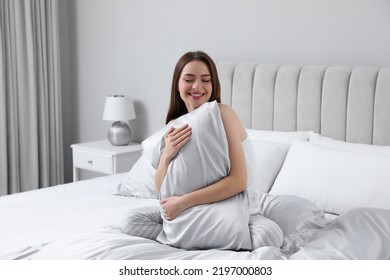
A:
(131, 47)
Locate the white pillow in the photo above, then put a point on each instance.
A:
(270, 149)
(354, 147)
(269, 160)
(202, 161)
(139, 181)
(335, 180)
(283, 137)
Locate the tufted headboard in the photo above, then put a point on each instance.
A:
(345, 103)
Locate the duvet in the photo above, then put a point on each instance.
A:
(361, 233)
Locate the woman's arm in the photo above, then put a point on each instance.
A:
(229, 186)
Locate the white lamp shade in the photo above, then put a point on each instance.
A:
(118, 108)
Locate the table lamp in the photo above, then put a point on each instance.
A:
(119, 108)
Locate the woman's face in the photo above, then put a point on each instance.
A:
(195, 85)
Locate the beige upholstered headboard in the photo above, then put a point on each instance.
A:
(345, 103)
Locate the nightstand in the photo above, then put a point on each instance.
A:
(102, 157)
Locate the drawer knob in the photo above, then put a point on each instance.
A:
(90, 162)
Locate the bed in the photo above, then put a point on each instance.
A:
(321, 138)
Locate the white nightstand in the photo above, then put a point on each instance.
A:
(102, 157)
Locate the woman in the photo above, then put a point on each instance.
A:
(195, 82)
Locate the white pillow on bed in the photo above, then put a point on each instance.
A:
(269, 160)
(318, 139)
(282, 137)
(333, 179)
(270, 149)
(139, 181)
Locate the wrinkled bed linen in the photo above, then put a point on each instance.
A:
(63, 233)
(362, 233)
(29, 220)
(111, 244)
(359, 234)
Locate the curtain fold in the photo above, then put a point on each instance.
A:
(30, 96)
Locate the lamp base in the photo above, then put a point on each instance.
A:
(119, 134)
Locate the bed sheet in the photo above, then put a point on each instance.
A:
(360, 234)
(81, 221)
(31, 219)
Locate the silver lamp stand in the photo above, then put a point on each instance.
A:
(119, 134)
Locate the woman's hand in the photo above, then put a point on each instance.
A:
(175, 139)
(172, 207)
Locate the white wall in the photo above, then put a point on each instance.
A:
(131, 47)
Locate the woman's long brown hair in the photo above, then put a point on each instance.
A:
(177, 107)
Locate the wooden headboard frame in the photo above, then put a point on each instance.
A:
(345, 103)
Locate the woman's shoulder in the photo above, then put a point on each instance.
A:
(231, 120)
(226, 109)
(227, 112)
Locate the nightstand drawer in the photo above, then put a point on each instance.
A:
(102, 157)
(92, 161)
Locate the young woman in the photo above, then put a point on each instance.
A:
(195, 82)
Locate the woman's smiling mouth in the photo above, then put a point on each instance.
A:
(196, 94)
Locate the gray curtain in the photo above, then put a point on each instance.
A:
(31, 152)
